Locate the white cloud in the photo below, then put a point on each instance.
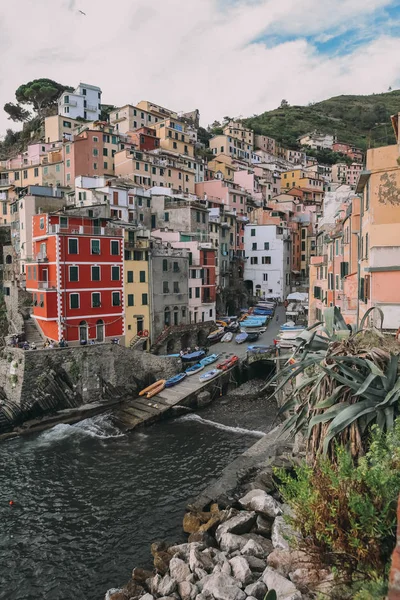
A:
(189, 54)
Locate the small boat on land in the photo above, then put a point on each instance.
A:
(260, 349)
(216, 336)
(151, 387)
(227, 337)
(175, 380)
(252, 336)
(209, 375)
(233, 327)
(241, 338)
(208, 360)
(193, 356)
(228, 363)
(156, 390)
(195, 369)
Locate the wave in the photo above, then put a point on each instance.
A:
(100, 427)
(241, 430)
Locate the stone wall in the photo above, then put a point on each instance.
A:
(179, 338)
(35, 383)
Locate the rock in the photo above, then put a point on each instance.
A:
(282, 533)
(141, 575)
(256, 590)
(264, 526)
(226, 568)
(204, 538)
(260, 541)
(223, 587)
(256, 564)
(200, 573)
(191, 523)
(147, 597)
(166, 586)
(178, 569)
(191, 578)
(214, 508)
(116, 595)
(154, 584)
(134, 589)
(241, 523)
(217, 569)
(281, 561)
(211, 524)
(199, 560)
(261, 502)
(183, 550)
(187, 591)
(161, 556)
(229, 542)
(285, 589)
(306, 579)
(203, 596)
(203, 398)
(252, 548)
(240, 569)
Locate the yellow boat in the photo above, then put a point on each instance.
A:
(151, 387)
(156, 390)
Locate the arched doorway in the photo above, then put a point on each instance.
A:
(8, 259)
(167, 316)
(176, 315)
(249, 286)
(170, 346)
(83, 331)
(100, 331)
(201, 338)
(258, 290)
(185, 341)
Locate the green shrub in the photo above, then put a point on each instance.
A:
(347, 512)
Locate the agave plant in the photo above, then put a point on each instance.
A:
(341, 387)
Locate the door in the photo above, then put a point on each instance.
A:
(45, 278)
(100, 331)
(139, 325)
(83, 332)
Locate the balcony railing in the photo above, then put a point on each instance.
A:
(86, 230)
(47, 285)
(41, 257)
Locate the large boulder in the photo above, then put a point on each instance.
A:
(257, 565)
(229, 542)
(191, 522)
(183, 550)
(187, 591)
(241, 570)
(166, 586)
(261, 502)
(252, 548)
(203, 537)
(178, 569)
(282, 534)
(147, 597)
(223, 587)
(241, 523)
(264, 526)
(256, 590)
(199, 560)
(285, 589)
(260, 541)
(141, 575)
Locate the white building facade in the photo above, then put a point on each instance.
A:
(84, 102)
(267, 266)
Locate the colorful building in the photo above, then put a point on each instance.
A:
(76, 278)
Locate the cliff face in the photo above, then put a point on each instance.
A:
(40, 382)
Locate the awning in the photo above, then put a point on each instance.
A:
(298, 297)
(362, 181)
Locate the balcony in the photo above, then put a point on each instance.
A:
(137, 244)
(47, 285)
(86, 230)
(4, 181)
(91, 108)
(319, 261)
(70, 102)
(41, 257)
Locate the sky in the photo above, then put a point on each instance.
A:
(225, 57)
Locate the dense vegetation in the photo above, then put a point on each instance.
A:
(360, 120)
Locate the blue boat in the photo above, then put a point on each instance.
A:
(241, 338)
(174, 380)
(252, 336)
(193, 356)
(195, 369)
(260, 349)
(209, 375)
(208, 360)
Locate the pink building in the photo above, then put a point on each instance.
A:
(219, 192)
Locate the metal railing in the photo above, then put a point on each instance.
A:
(46, 285)
(86, 230)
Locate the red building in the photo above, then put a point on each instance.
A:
(144, 138)
(354, 153)
(76, 278)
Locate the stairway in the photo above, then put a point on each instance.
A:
(137, 340)
(32, 334)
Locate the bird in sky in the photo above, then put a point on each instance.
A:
(82, 13)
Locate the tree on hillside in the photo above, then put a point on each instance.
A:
(41, 94)
(16, 112)
(284, 104)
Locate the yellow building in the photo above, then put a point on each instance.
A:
(58, 127)
(173, 137)
(224, 167)
(238, 131)
(136, 287)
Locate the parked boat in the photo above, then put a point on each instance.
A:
(241, 338)
(216, 336)
(193, 356)
(227, 337)
(208, 360)
(233, 327)
(174, 380)
(228, 363)
(156, 390)
(252, 336)
(195, 369)
(209, 375)
(151, 387)
(260, 349)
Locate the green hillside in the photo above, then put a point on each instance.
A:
(360, 120)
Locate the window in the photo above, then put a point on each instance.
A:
(95, 246)
(95, 152)
(96, 300)
(130, 276)
(197, 292)
(303, 234)
(67, 149)
(166, 216)
(131, 300)
(114, 247)
(72, 246)
(265, 277)
(74, 273)
(142, 276)
(303, 246)
(116, 299)
(105, 165)
(41, 223)
(176, 287)
(337, 283)
(330, 281)
(105, 152)
(95, 273)
(266, 260)
(254, 246)
(190, 293)
(144, 300)
(266, 245)
(74, 300)
(165, 265)
(36, 172)
(95, 166)
(95, 139)
(115, 274)
(165, 287)
(176, 267)
(317, 292)
(254, 260)
(252, 232)
(366, 245)
(25, 174)
(16, 176)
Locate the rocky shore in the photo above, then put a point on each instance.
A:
(234, 552)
